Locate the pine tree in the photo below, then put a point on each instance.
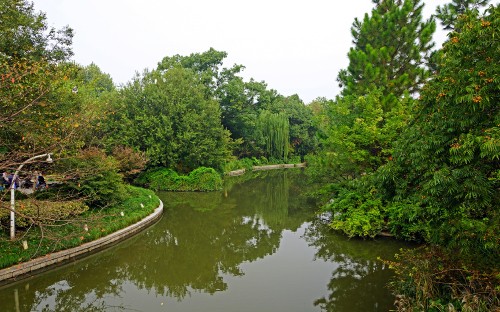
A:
(449, 13)
(390, 50)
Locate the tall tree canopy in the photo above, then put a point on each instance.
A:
(390, 50)
(274, 130)
(386, 67)
(242, 102)
(166, 114)
(24, 34)
(31, 67)
(446, 166)
(448, 13)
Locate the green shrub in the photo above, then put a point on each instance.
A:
(244, 163)
(205, 179)
(357, 215)
(294, 159)
(248, 163)
(162, 179)
(357, 210)
(94, 177)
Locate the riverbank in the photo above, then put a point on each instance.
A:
(266, 167)
(39, 248)
(29, 268)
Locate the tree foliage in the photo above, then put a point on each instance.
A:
(274, 131)
(24, 35)
(300, 118)
(31, 68)
(167, 115)
(357, 134)
(390, 50)
(446, 165)
(51, 105)
(449, 13)
(439, 180)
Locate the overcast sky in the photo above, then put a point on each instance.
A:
(294, 46)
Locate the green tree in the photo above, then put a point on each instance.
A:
(386, 68)
(300, 117)
(206, 65)
(42, 111)
(167, 115)
(449, 13)
(446, 169)
(24, 34)
(31, 68)
(241, 103)
(356, 136)
(274, 130)
(390, 50)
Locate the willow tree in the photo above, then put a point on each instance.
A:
(274, 130)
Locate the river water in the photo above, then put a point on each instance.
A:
(256, 246)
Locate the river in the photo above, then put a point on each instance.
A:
(256, 246)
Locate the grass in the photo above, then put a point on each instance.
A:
(76, 229)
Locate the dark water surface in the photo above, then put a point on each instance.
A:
(256, 246)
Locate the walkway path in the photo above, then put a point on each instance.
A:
(268, 167)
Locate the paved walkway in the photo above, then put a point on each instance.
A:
(29, 268)
(267, 167)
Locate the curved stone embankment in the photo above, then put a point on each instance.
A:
(268, 167)
(34, 266)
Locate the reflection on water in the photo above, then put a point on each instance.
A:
(255, 246)
(357, 284)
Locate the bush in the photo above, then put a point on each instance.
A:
(94, 176)
(244, 163)
(357, 215)
(130, 162)
(357, 210)
(248, 163)
(432, 279)
(162, 179)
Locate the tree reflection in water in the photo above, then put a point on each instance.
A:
(199, 246)
(201, 237)
(357, 284)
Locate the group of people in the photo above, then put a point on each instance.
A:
(8, 180)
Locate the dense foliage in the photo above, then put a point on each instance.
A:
(88, 226)
(201, 179)
(390, 48)
(449, 13)
(446, 165)
(436, 178)
(167, 115)
(425, 169)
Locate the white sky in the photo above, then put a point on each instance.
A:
(294, 46)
